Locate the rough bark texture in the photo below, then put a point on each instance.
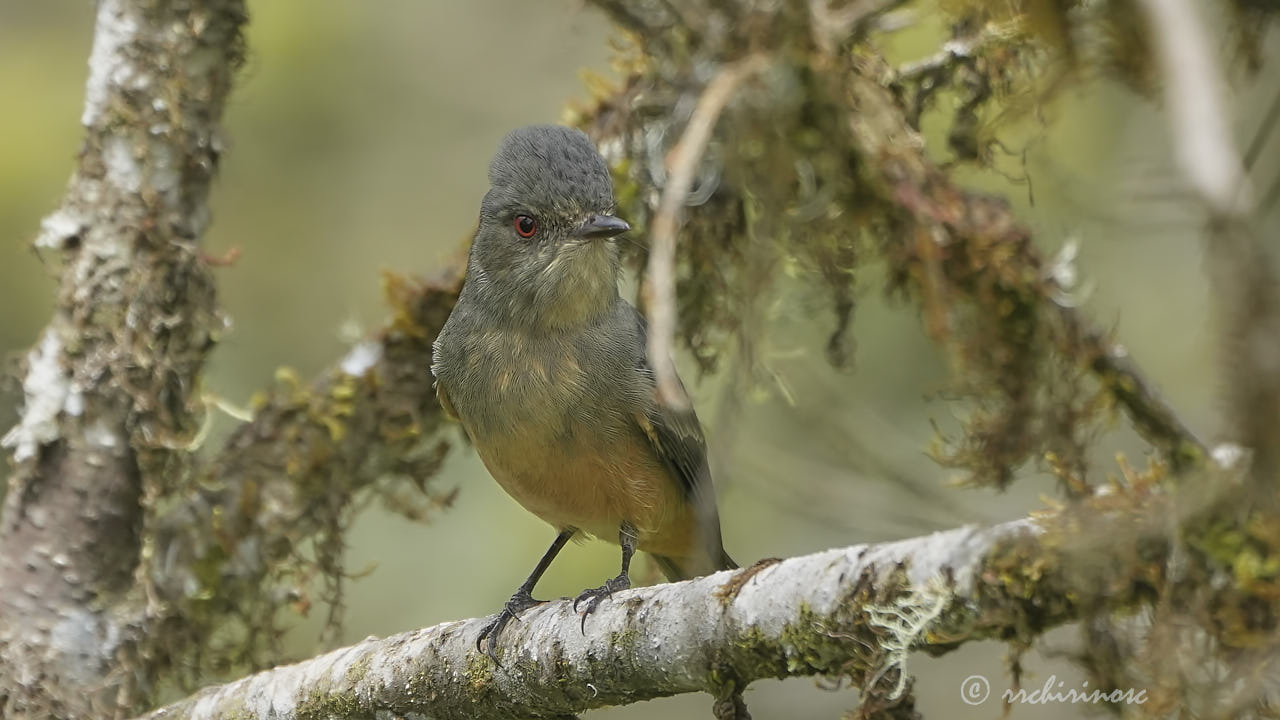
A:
(125, 562)
(854, 611)
(111, 386)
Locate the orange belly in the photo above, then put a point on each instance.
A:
(569, 483)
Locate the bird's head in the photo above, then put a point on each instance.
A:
(544, 249)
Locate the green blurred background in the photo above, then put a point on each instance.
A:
(359, 136)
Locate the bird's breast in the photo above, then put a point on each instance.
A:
(508, 384)
(554, 423)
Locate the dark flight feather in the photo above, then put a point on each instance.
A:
(676, 438)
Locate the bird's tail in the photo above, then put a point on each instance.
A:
(687, 568)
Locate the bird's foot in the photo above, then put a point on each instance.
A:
(592, 597)
(518, 603)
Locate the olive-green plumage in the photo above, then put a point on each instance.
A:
(544, 365)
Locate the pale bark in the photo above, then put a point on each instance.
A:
(1241, 269)
(854, 611)
(110, 387)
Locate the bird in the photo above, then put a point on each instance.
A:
(544, 365)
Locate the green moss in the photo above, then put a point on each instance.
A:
(322, 705)
(479, 671)
(359, 670)
(625, 641)
(238, 712)
(1013, 593)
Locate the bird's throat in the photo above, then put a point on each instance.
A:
(575, 288)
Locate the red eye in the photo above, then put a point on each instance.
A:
(526, 226)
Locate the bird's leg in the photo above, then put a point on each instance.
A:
(594, 596)
(522, 599)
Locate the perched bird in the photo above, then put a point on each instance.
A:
(544, 365)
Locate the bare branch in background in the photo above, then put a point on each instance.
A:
(832, 26)
(660, 277)
(1195, 89)
(1241, 271)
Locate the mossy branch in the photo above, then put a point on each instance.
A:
(820, 165)
(853, 612)
(273, 503)
(955, 246)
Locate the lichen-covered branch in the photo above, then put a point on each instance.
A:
(820, 166)
(270, 507)
(854, 611)
(954, 246)
(111, 386)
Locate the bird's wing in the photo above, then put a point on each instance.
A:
(675, 435)
(677, 439)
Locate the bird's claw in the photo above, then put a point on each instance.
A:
(491, 631)
(594, 596)
(518, 603)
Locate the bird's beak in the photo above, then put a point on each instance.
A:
(598, 227)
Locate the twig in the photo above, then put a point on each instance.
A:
(1270, 119)
(952, 50)
(1152, 416)
(682, 164)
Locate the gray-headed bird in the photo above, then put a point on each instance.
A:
(544, 365)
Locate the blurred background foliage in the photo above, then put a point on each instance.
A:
(358, 142)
